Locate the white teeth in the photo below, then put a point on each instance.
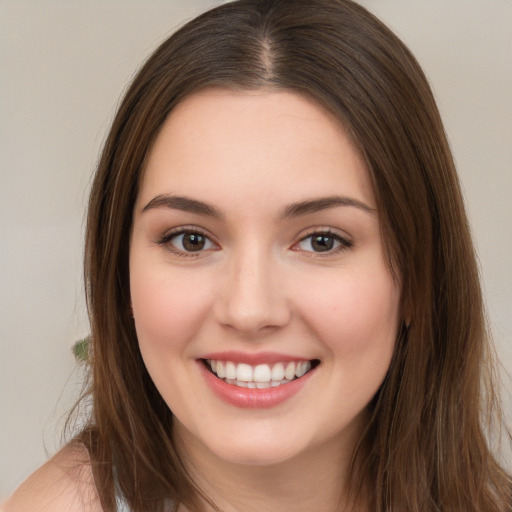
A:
(289, 372)
(230, 370)
(221, 372)
(302, 368)
(260, 376)
(262, 373)
(244, 372)
(278, 372)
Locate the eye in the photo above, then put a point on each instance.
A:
(323, 242)
(186, 242)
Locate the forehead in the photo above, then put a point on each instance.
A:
(248, 145)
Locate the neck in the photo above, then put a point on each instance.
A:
(314, 480)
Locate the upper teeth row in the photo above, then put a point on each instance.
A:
(260, 373)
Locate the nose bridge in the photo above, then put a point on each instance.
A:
(252, 299)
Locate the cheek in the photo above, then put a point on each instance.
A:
(357, 315)
(167, 306)
(356, 319)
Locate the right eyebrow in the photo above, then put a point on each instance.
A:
(184, 204)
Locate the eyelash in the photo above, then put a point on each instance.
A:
(165, 240)
(344, 244)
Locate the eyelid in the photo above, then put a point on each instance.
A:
(165, 239)
(344, 241)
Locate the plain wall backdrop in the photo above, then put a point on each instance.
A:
(63, 67)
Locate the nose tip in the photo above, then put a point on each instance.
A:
(251, 318)
(252, 300)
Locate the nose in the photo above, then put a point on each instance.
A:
(252, 299)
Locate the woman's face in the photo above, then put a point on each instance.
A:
(256, 256)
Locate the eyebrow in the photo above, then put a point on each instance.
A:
(324, 203)
(297, 209)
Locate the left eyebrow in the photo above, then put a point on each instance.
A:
(323, 203)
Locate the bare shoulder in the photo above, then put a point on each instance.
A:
(63, 484)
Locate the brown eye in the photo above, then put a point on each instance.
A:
(193, 242)
(325, 242)
(187, 242)
(322, 243)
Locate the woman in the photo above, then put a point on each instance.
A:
(284, 300)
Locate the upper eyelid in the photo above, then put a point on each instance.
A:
(180, 230)
(327, 231)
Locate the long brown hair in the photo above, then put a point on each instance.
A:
(424, 447)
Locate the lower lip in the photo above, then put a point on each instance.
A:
(249, 398)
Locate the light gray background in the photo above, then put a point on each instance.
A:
(63, 66)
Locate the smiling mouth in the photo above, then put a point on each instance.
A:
(259, 376)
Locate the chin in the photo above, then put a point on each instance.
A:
(257, 455)
(265, 445)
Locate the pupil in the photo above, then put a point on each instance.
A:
(193, 242)
(322, 243)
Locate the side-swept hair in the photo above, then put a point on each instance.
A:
(424, 447)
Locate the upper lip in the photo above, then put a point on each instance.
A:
(254, 358)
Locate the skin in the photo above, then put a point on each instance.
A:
(259, 285)
(64, 484)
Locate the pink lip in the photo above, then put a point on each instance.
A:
(253, 358)
(252, 398)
